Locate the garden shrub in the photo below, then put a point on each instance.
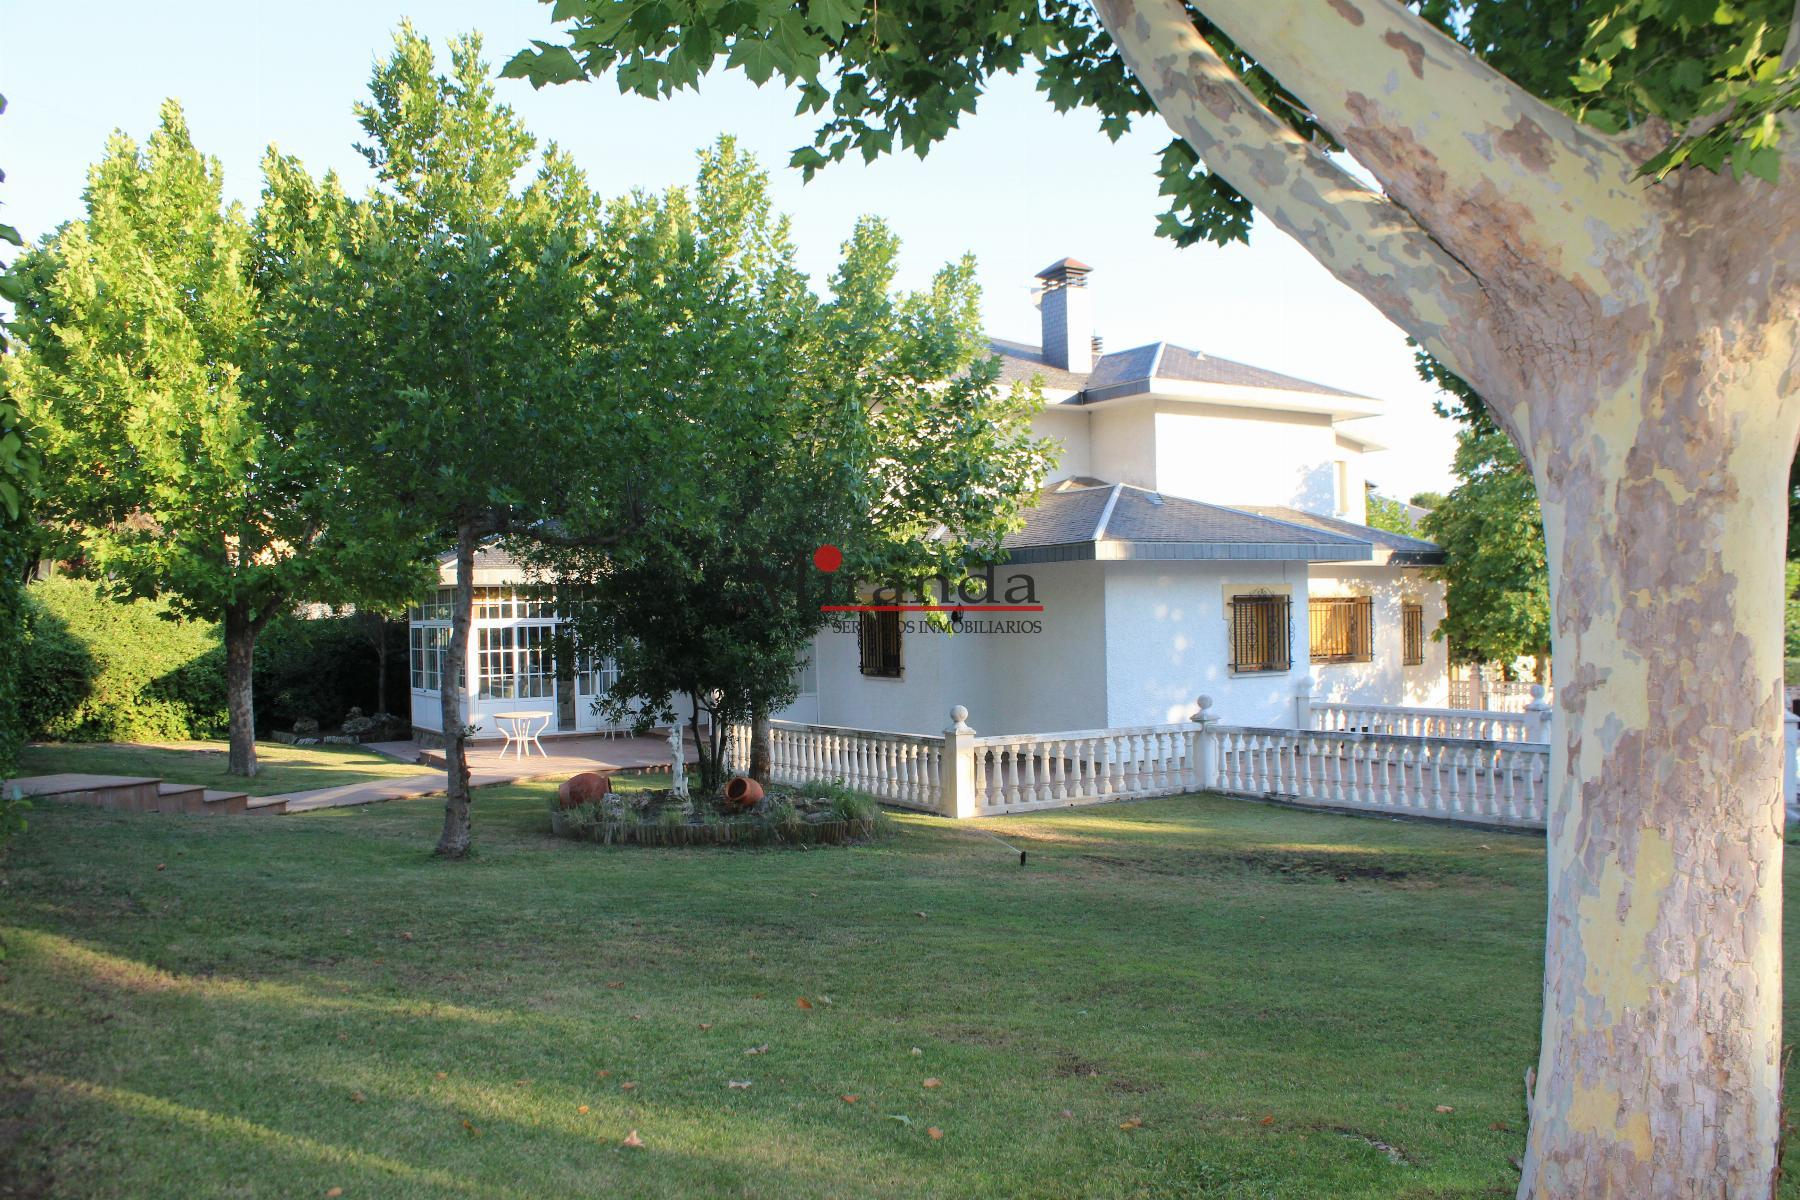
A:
(12, 666)
(94, 669)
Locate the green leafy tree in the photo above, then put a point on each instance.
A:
(1496, 577)
(18, 481)
(1599, 236)
(1391, 515)
(871, 422)
(440, 345)
(168, 469)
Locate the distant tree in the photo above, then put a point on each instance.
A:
(1426, 500)
(18, 481)
(1391, 515)
(1490, 527)
(169, 470)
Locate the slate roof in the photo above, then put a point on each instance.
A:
(489, 556)
(1124, 371)
(1401, 549)
(1087, 519)
(1019, 363)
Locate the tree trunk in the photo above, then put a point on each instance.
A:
(240, 694)
(458, 820)
(1664, 516)
(762, 745)
(381, 663)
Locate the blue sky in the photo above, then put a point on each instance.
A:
(1019, 185)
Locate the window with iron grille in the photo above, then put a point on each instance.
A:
(1412, 630)
(878, 638)
(1262, 633)
(1343, 628)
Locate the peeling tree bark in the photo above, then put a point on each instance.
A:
(1659, 1073)
(458, 832)
(1641, 343)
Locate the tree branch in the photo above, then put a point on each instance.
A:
(1364, 239)
(1478, 161)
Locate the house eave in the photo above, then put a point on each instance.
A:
(1118, 550)
(1344, 407)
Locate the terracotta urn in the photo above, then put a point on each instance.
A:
(583, 788)
(743, 792)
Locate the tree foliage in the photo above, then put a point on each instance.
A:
(170, 469)
(900, 76)
(19, 467)
(869, 422)
(1391, 515)
(445, 341)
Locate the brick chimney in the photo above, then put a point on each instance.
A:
(1068, 319)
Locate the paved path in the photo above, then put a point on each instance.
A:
(488, 768)
(429, 783)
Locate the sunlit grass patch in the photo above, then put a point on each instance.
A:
(301, 1003)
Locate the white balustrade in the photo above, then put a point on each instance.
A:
(1448, 764)
(1492, 782)
(1468, 723)
(896, 768)
(1025, 771)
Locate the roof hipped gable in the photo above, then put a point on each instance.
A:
(1395, 548)
(1164, 371)
(1089, 520)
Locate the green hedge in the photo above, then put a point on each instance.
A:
(100, 671)
(96, 670)
(12, 640)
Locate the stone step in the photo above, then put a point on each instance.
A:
(125, 792)
(268, 806)
(225, 802)
(180, 798)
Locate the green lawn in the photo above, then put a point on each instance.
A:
(282, 768)
(1185, 997)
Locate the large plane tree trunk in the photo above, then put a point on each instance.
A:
(459, 833)
(1665, 517)
(240, 694)
(1641, 343)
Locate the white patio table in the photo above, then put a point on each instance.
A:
(521, 730)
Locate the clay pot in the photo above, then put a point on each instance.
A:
(743, 792)
(583, 788)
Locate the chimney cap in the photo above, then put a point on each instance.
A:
(1064, 267)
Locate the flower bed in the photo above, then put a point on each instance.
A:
(819, 814)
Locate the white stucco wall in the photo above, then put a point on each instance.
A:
(1246, 456)
(1386, 680)
(1168, 641)
(1212, 452)
(1130, 643)
(1353, 504)
(1122, 447)
(1014, 672)
(1067, 425)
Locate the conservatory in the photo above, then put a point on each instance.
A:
(511, 666)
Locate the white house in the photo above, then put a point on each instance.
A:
(1203, 533)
